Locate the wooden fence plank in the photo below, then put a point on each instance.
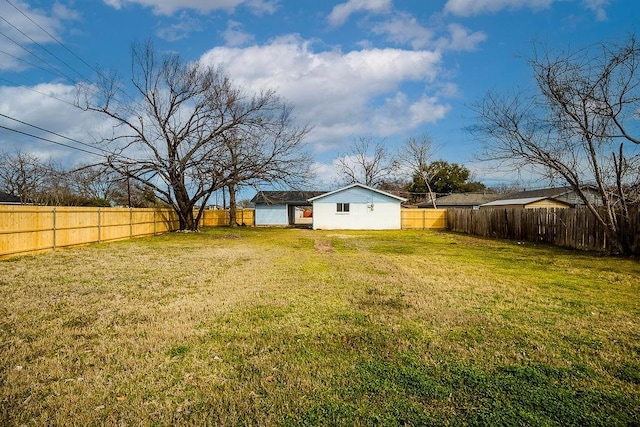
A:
(31, 229)
(572, 228)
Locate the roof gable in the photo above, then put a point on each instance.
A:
(361, 186)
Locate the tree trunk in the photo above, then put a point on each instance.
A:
(233, 208)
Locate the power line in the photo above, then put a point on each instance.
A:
(105, 152)
(28, 63)
(98, 72)
(37, 57)
(51, 141)
(54, 133)
(38, 92)
(43, 48)
(52, 36)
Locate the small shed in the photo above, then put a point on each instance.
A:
(527, 203)
(356, 207)
(283, 208)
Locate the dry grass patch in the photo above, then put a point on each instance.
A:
(261, 327)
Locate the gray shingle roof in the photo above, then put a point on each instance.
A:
(461, 199)
(284, 197)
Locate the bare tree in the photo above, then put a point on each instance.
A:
(367, 162)
(24, 175)
(579, 127)
(170, 138)
(275, 154)
(416, 158)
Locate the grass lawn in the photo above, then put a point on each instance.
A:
(300, 327)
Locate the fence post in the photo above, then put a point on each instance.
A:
(130, 223)
(54, 228)
(99, 230)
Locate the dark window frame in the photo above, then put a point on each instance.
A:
(342, 207)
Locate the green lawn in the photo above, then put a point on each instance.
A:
(299, 327)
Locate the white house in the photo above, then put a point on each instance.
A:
(356, 207)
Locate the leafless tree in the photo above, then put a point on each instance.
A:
(367, 162)
(170, 138)
(24, 175)
(415, 157)
(274, 154)
(579, 126)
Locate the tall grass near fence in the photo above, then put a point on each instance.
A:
(570, 228)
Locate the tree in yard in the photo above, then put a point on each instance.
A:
(274, 153)
(171, 137)
(24, 175)
(414, 158)
(367, 162)
(580, 126)
(445, 178)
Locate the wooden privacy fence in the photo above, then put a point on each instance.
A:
(571, 228)
(28, 229)
(31, 229)
(220, 218)
(422, 219)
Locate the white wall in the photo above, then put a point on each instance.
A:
(272, 215)
(385, 214)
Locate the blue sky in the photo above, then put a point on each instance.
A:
(386, 69)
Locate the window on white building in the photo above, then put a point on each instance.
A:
(342, 207)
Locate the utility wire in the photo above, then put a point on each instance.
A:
(44, 48)
(60, 73)
(105, 152)
(51, 141)
(37, 57)
(28, 63)
(37, 91)
(54, 133)
(52, 36)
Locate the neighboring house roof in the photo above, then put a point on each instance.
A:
(542, 192)
(375, 190)
(6, 198)
(461, 200)
(560, 194)
(284, 197)
(521, 201)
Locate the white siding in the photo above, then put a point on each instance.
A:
(368, 210)
(272, 215)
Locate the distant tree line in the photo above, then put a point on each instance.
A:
(412, 171)
(42, 182)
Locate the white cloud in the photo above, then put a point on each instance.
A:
(598, 7)
(181, 29)
(340, 94)
(234, 35)
(461, 40)
(405, 29)
(51, 21)
(341, 12)
(49, 106)
(169, 7)
(477, 7)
